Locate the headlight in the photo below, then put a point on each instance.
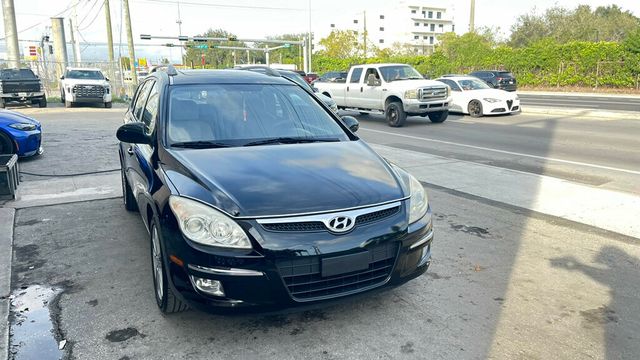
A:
(411, 94)
(492, 100)
(23, 126)
(418, 203)
(207, 226)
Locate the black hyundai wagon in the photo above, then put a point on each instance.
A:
(258, 196)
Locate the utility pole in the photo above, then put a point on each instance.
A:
(75, 35)
(73, 41)
(11, 33)
(107, 13)
(266, 54)
(365, 33)
(472, 16)
(132, 54)
(60, 45)
(310, 49)
(305, 55)
(179, 22)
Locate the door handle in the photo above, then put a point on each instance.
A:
(347, 88)
(360, 88)
(130, 150)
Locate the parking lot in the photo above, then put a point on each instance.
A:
(508, 281)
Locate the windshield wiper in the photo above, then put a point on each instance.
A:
(200, 144)
(289, 140)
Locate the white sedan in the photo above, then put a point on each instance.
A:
(473, 96)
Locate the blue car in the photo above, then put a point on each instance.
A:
(19, 134)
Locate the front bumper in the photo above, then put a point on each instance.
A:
(28, 143)
(102, 99)
(425, 107)
(501, 107)
(22, 96)
(255, 280)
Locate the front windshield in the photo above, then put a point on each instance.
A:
(84, 74)
(399, 72)
(473, 84)
(239, 114)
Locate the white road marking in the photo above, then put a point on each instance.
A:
(634, 172)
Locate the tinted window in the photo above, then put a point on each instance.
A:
(504, 74)
(473, 84)
(141, 99)
(84, 74)
(355, 75)
(452, 84)
(236, 114)
(399, 72)
(151, 109)
(10, 74)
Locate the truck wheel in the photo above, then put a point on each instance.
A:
(2, 103)
(68, 104)
(108, 105)
(62, 97)
(438, 116)
(475, 108)
(43, 102)
(395, 114)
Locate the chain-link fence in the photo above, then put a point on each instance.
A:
(49, 73)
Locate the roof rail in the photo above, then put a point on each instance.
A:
(261, 69)
(171, 71)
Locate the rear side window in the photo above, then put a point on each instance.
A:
(355, 75)
(141, 99)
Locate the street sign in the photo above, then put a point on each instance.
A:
(286, 46)
(202, 46)
(31, 53)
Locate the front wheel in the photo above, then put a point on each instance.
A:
(107, 105)
(438, 116)
(42, 103)
(6, 145)
(2, 104)
(395, 114)
(475, 108)
(167, 301)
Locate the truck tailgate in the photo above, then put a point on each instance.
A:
(18, 86)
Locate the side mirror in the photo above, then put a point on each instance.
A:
(133, 133)
(106, 78)
(351, 122)
(373, 82)
(61, 77)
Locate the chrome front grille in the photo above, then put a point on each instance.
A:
(320, 222)
(433, 93)
(88, 91)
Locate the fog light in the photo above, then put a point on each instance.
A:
(208, 286)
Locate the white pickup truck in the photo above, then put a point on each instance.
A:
(395, 90)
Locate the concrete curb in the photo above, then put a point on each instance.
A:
(589, 113)
(7, 216)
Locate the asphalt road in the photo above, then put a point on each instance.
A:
(602, 153)
(504, 284)
(582, 102)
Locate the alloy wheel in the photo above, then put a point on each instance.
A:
(156, 258)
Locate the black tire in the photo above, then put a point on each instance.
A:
(2, 103)
(6, 145)
(68, 104)
(438, 116)
(475, 108)
(62, 97)
(43, 102)
(166, 299)
(127, 195)
(108, 105)
(395, 114)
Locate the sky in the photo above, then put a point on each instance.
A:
(273, 17)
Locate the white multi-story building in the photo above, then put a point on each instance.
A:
(411, 25)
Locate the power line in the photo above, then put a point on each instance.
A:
(94, 18)
(69, 6)
(95, 2)
(190, 3)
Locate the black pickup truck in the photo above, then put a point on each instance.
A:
(21, 85)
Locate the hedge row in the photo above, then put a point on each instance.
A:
(545, 63)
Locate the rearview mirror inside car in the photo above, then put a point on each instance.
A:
(351, 122)
(133, 133)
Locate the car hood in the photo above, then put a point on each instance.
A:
(71, 82)
(413, 84)
(284, 179)
(10, 117)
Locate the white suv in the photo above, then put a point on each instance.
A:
(85, 85)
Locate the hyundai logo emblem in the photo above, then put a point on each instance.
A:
(340, 224)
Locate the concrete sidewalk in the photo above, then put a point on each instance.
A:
(582, 112)
(605, 209)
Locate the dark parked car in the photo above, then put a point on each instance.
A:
(22, 86)
(257, 196)
(334, 76)
(19, 134)
(310, 77)
(498, 79)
